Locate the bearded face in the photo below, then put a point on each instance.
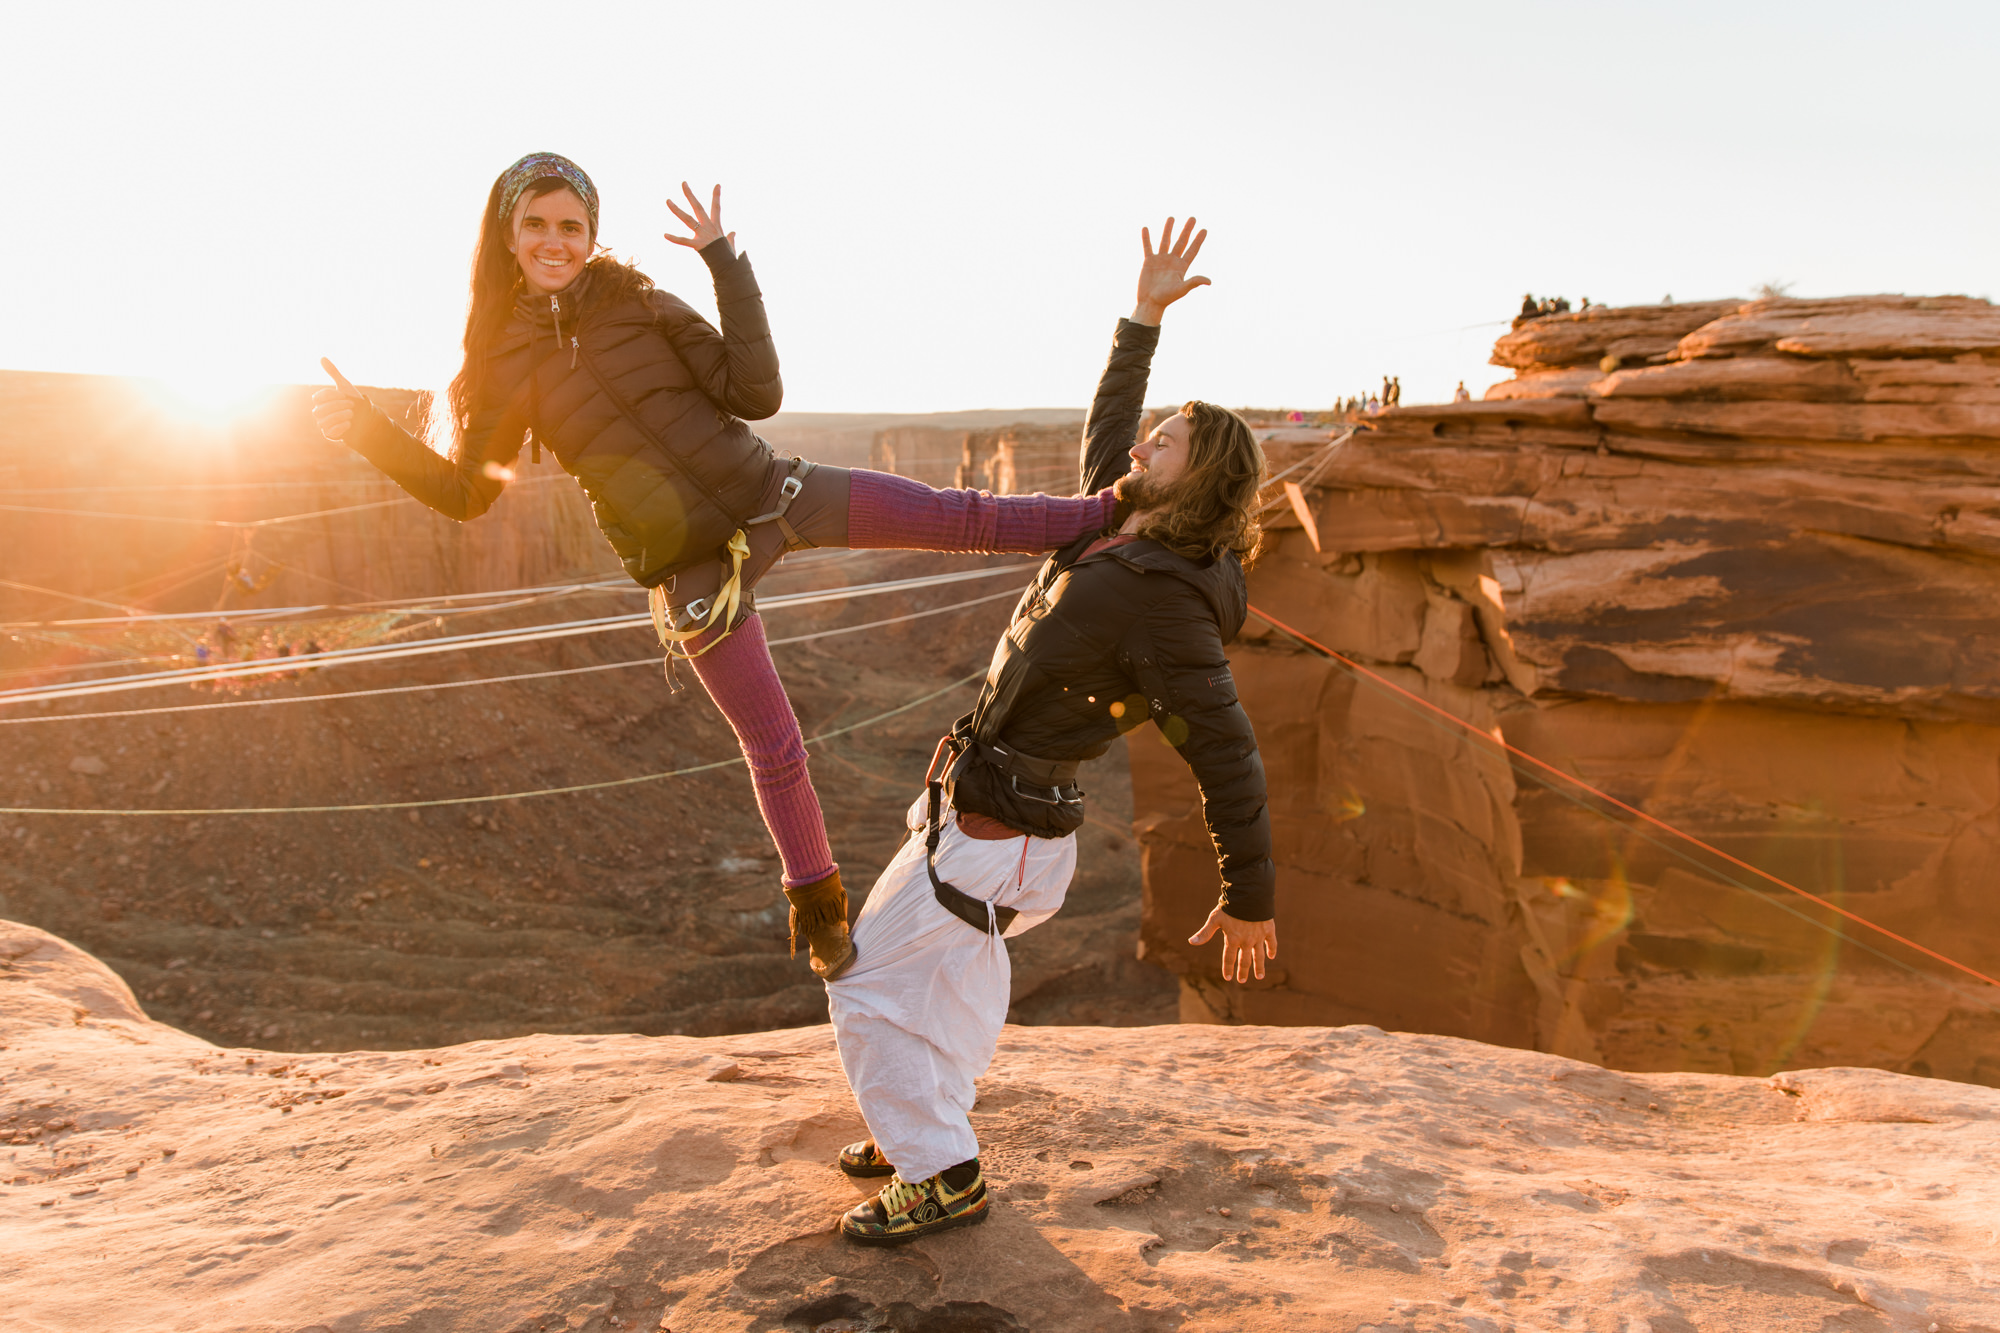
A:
(1142, 490)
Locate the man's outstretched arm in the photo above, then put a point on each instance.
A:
(1113, 425)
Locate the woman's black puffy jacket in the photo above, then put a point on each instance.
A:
(639, 398)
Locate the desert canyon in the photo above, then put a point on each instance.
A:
(1732, 564)
(1523, 1062)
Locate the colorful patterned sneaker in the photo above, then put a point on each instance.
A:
(954, 1197)
(865, 1159)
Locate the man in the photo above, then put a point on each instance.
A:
(1118, 628)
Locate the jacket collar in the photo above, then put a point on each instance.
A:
(1219, 580)
(533, 307)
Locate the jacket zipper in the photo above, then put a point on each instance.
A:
(555, 309)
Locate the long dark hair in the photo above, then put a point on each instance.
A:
(1214, 507)
(496, 277)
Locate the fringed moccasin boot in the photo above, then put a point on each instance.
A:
(819, 912)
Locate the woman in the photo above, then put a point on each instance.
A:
(644, 403)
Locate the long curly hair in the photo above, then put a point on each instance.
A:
(496, 278)
(1212, 505)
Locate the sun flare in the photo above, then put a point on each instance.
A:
(208, 396)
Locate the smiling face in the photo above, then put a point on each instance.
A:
(1157, 463)
(551, 239)
(1163, 454)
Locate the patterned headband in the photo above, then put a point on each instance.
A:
(544, 166)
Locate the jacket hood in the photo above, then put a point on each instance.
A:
(1219, 580)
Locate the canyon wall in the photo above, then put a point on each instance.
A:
(1734, 564)
(1017, 458)
(117, 493)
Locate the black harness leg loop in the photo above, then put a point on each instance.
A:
(981, 915)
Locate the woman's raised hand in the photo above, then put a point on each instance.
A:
(1163, 278)
(705, 223)
(333, 409)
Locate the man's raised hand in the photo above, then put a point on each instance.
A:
(1163, 277)
(705, 223)
(1245, 944)
(333, 409)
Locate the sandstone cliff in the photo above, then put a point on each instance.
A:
(1164, 1180)
(74, 448)
(1736, 564)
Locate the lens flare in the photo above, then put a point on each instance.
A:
(209, 397)
(1608, 910)
(1346, 805)
(1823, 970)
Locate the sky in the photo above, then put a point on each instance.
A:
(943, 202)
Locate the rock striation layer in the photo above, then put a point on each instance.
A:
(1018, 458)
(1734, 563)
(1166, 1180)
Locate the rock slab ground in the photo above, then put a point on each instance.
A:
(1172, 1178)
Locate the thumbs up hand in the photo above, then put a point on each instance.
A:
(333, 409)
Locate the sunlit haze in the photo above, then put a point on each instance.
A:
(943, 202)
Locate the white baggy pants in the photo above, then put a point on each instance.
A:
(918, 1016)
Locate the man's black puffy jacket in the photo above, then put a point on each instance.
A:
(1102, 642)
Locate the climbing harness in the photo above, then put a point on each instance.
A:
(801, 468)
(954, 751)
(703, 614)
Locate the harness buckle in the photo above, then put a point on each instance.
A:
(1055, 794)
(696, 609)
(789, 492)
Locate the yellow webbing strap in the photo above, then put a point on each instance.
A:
(722, 607)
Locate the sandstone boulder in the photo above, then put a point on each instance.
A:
(1585, 337)
(1850, 326)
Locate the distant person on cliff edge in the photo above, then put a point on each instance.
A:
(1120, 627)
(644, 402)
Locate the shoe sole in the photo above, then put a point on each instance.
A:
(835, 972)
(918, 1233)
(866, 1172)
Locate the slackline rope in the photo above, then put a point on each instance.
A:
(507, 795)
(1609, 799)
(383, 482)
(415, 605)
(236, 523)
(459, 642)
(200, 522)
(481, 680)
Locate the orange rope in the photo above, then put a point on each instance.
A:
(1609, 799)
